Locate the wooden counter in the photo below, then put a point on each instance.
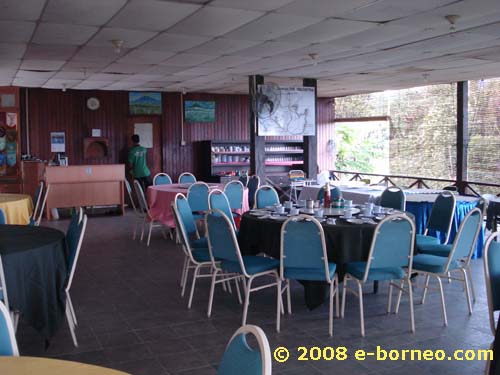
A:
(85, 185)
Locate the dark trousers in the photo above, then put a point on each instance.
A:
(145, 182)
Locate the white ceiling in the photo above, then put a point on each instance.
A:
(350, 46)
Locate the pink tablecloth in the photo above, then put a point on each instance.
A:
(160, 198)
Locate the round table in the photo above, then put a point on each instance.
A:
(34, 261)
(17, 207)
(49, 366)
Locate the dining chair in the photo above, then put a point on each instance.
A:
(393, 197)
(389, 258)
(37, 199)
(74, 239)
(187, 178)
(239, 358)
(491, 262)
(8, 343)
(234, 193)
(195, 248)
(266, 196)
(228, 263)
(299, 233)
(42, 207)
(3, 216)
(144, 214)
(197, 196)
(457, 260)
(252, 185)
(162, 179)
(138, 218)
(218, 200)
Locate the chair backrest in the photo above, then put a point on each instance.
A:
(442, 213)
(181, 205)
(162, 179)
(234, 193)
(252, 185)
(37, 198)
(393, 197)
(239, 358)
(392, 244)
(303, 245)
(465, 240)
(491, 261)
(129, 191)
(335, 193)
(73, 227)
(42, 207)
(218, 200)
(187, 178)
(3, 217)
(222, 241)
(197, 196)
(74, 249)
(266, 196)
(8, 343)
(143, 204)
(3, 286)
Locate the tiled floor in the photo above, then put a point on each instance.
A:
(131, 317)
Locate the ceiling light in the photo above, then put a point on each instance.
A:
(452, 19)
(117, 45)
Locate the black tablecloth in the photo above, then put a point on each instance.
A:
(492, 213)
(34, 261)
(345, 243)
(495, 363)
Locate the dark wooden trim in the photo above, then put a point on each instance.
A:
(311, 142)
(462, 134)
(363, 119)
(257, 143)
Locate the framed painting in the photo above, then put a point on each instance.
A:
(199, 111)
(144, 103)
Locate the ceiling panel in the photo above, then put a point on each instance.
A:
(264, 5)
(126, 68)
(143, 77)
(89, 66)
(88, 12)
(211, 21)
(55, 83)
(130, 38)
(12, 50)
(79, 75)
(222, 46)
(42, 64)
(28, 74)
(49, 52)
(92, 85)
(324, 8)
(55, 33)
(29, 10)
(103, 54)
(187, 60)
(28, 82)
(9, 63)
(145, 56)
(165, 69)
(229, 61)
(270, 49)
(174, 42)
(16, 31)
(108, 77)
(152, 15)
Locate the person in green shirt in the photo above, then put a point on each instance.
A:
(137, 163)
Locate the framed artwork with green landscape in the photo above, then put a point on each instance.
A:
(199, 111)
(144, 103)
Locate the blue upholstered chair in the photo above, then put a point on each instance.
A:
(3, 217)
(187, 178)
(239, 358)
(266, 196)
(393, 197)
(458, 259)
(195, 248)
(228, 263)
(335, 193)
(303, 257)
(197, 196)
(8, 343)
(390, 258)
(439, 222)
(218, 200)
(234, 193)
(491, 260)
(162, 179)
(252, 185)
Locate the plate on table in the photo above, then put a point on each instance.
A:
(266, 216)
(363, 215)
(307, 211)
(278, 218)
(379, 217)
(355, 221)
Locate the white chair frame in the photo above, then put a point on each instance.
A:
(494, 236)
(399, 287)
(10, 329)
(42, 208)
(215, 192)
(37, 203)
(137, 214)
(161, 174)
(235, 182)
(186, 174)
(264, 187)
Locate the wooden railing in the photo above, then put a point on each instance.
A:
(464, 187)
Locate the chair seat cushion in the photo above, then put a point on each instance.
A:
(431, 263)
(253, 264)
(436, 249)
(200, 243)
(316, 274)
(357, 269)
(422, 240)
(201, 255)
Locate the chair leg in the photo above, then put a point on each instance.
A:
(344, 290)
(471, 283)
(71, 325)
(443, 306)
(247, 301)
(135, 228)
(361, 311)
(288, 297)
(184, 266)
(150, 230)
(72, 310)
(330, 312)
(278, 306)
(426, 286)
(142, 228)
(467, 292)
(212, 288)
(237, 286)
(389, 298)
(195, 276)
(412, 313)
(337, 307)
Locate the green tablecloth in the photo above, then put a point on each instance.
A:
(34, 261)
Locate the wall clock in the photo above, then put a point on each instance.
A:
(93, 103)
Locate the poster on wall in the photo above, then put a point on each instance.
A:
(286, 111)
(199, 111)
(57, 142)
(145, 133)
(11, 120)
(144, 103)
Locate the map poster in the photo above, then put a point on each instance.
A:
(286, 111)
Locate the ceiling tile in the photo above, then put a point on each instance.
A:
(126, 68)
(229, 61)
(88, 12)
(28, 82)
(71, 75)
(27, 74)
(103, 54)
(92, 85)
(49, 52)
(12, 50)
(264, 5)
(29, 10)
(121, 86)
(152, 15)
(130, 38)
(42, 64)
(272, 26)
(270, 49)
(187, 60)
(197, 71)
(109, 77)
(212, 21)
(88, 66)
(54, 33)
(174, 42)
(145, 56)
(144, 77)
(222, 46)
(9, 63)
(164, 69)
(55, 83)
(16, 31)
(323, 8)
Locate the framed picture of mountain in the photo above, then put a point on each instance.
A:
(199, 111)
(144, 103)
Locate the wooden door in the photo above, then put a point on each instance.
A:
(154, 157)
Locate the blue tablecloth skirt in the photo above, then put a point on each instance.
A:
(422, 210)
